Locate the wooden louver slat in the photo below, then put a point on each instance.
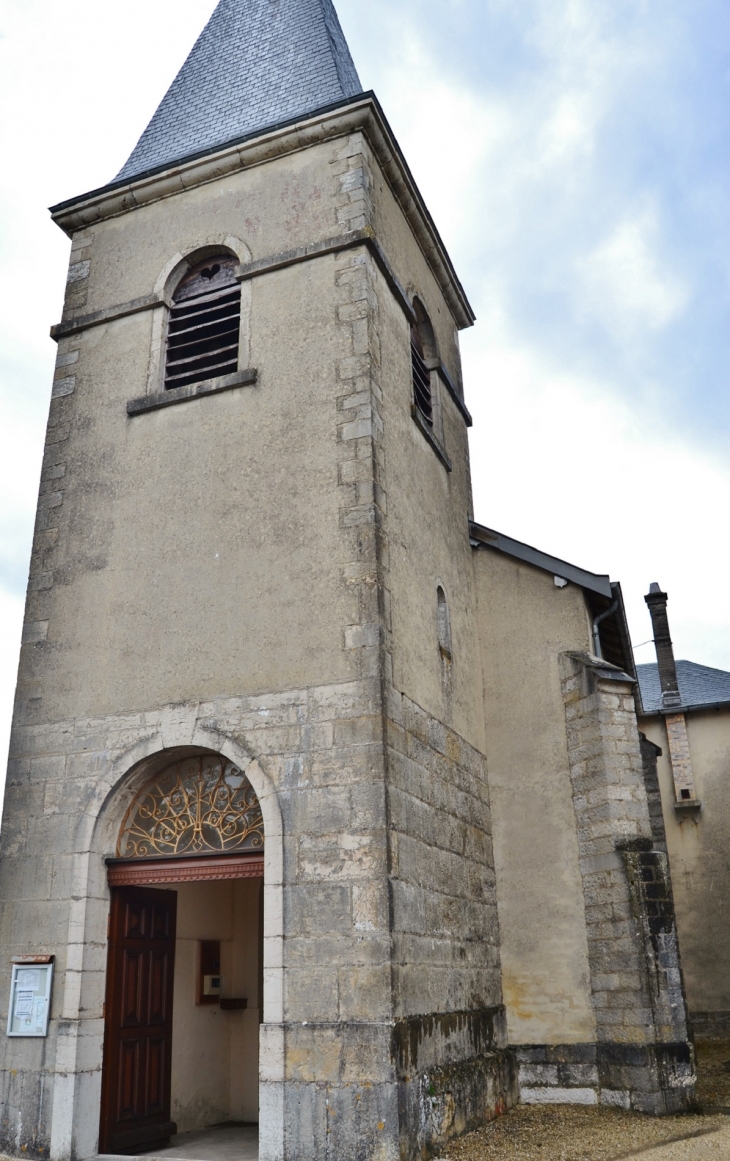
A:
(421, 385)
(204, 323)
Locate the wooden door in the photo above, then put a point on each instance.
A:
(135, 1092)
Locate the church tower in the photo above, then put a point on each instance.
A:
(247, 820)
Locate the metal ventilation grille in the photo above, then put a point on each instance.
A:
(421, 384)
(204, 324)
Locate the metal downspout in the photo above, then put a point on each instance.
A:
(596, 622)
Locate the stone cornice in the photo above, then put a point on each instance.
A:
(361, 115)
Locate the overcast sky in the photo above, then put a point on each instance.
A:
(574, 154)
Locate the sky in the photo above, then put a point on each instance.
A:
(574, 154)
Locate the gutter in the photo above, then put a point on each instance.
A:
(687, 709)
(596, 622)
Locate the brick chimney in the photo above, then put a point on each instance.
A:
(674, 720)
(657, 602)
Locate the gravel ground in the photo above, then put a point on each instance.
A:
(713, 1074)
(578, 1133)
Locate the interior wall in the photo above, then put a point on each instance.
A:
(215, 1052)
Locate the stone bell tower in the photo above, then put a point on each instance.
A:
(252, 561)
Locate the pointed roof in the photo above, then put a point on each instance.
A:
(257, 64)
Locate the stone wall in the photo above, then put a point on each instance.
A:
(698, 841)
(650, 753)
(453, 1068)
(524, 622)
(339, 1038)
(68, 788)
(644, 1051)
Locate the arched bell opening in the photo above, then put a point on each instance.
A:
(184, 992)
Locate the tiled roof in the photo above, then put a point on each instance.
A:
(257, 63)
(698, 685)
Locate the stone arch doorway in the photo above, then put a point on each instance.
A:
(184, 990)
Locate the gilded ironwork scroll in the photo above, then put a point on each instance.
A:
(199, 805)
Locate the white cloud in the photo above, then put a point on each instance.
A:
(449, 132)
(626, 279)
(570, 128)
(560, 462)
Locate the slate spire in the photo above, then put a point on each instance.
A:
(256, 64)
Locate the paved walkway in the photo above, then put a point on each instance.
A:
(221, 1143)
(712, 1146)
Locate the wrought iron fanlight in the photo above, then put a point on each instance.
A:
(202, 805)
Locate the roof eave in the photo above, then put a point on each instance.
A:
(359, 113)
(592, 582)
(696, 707)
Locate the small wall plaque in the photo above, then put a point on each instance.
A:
(30, 996)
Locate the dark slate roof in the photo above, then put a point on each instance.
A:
(698, 685)
(257, 64)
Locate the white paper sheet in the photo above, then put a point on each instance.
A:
(30, 979)
(24, 1003)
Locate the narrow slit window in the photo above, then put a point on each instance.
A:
(421, 378)
(444, 624)
(204, 324)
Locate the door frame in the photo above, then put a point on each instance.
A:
(170, 870)
(186, 869)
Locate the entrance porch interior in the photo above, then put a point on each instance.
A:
(215, 1050)
(214, 1090)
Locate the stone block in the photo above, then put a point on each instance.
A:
(530, 1053)
(317, 907)
(317, 811)
(370, 911)
(78, 271)
(34, 631)
(344, 856)
(365, 993)
(532, 1075)
(362, 731)
(366, 1054)
(312, 1053)
(558, 1096)
(368, 805)
(578, 1075)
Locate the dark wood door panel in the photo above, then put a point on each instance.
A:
(132, 983)
(160, 925)
(155, 1087)
(135, 1106)
(157, 989)
(135, 916)
(129, 1061)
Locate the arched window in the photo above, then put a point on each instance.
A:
(444, 624)
(204, 324)
(422, 348)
